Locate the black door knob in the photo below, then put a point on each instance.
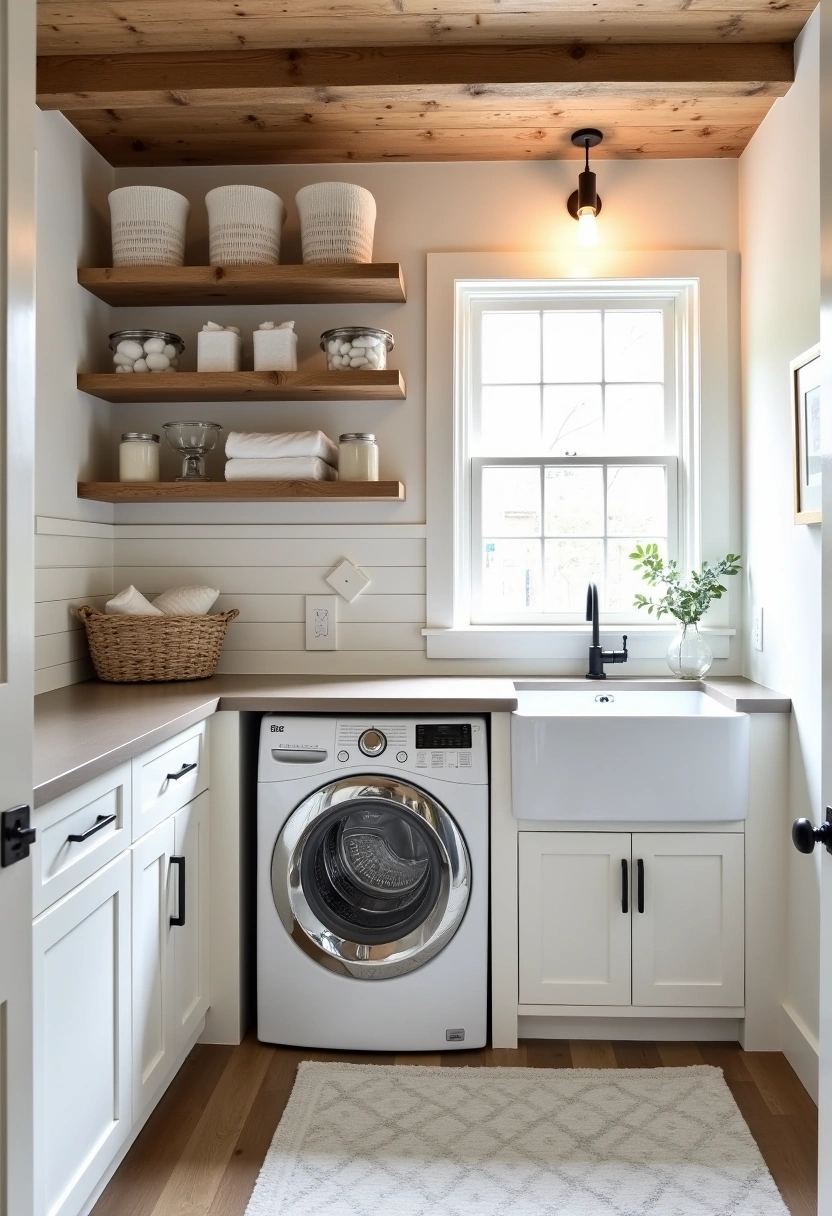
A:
(805, 834)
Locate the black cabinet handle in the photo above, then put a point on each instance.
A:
(186, 768)
(625, 903)
(180, 863)
(101, 822)
(640, 869)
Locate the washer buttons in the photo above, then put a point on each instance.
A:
(343, 757)
(401, 757)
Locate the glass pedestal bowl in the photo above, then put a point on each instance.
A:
(192, 440)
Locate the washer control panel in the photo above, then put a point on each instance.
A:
(451, 748)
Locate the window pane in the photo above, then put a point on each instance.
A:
(572, 421)
(636, 501)
(574, 502)
(510, 422)
(572, 346)
(511, 501)
(622, 581)
(570, 565)
(634, 419)
(510, 347)
(511, 576)
(633, 345)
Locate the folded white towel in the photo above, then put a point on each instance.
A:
(254, 445)
(131, 602)
(186, 601)
(286, 468)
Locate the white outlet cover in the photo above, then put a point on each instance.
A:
(757, 628)
(321, 622)
(348, 580)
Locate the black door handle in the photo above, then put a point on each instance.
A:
(805, 834)
(16, 835)
(640, 894)
(180, 863)
(625, 903)
(186, 768)
(101, 822)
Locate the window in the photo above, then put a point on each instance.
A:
(575, 405)
(573, 437)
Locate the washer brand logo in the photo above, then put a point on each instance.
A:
(278, 728)
(455, 1036)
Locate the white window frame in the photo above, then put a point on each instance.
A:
(704, 287)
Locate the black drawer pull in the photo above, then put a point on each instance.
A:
(186, 768)
(101, 822)
(180, 863)
(640, 868)
(625, 903)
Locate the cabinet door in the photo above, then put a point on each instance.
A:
(688, 940)
(154, 1034)
(190, 898)
(82, 1074)
(574, 918)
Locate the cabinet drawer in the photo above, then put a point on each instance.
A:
(168, 777)
(100, 811)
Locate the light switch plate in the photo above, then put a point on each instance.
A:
(348, 580)
(757, 628)
(321, 622)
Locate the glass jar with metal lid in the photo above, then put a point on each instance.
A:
(138, 456)
(357, 457)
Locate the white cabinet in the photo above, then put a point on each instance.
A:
(653, 920)
(688, 940)
(170, 959)
(168, 777)
(82, 1084)
(574, 936)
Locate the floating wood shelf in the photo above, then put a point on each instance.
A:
(333, 283)
(241, 491)
(244, 386)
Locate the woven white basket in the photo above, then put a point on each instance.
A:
(337, 221)
(148, 226)
(244, 224)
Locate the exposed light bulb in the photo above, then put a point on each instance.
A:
(587, 228)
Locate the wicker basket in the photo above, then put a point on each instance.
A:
(245, 223)
(148, 225)
(136, 649)
(337, 222)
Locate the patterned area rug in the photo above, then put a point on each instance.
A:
(378, 1140)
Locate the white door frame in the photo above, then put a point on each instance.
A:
(17, 408)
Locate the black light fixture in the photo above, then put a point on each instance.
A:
(584, 204)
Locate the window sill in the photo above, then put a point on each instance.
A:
(558, 641)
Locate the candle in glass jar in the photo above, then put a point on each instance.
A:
(138, 457)
(357, 457)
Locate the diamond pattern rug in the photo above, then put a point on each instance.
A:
(378, 1140)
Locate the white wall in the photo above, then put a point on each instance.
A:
(780, 246)
(73, 431)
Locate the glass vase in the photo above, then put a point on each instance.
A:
(689, 656)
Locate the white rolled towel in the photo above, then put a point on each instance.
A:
(186, 601)
(285, 468)
(131, 602)
(254, 445)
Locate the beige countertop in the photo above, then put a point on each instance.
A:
(85, 729)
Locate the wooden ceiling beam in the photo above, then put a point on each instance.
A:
(415, 73)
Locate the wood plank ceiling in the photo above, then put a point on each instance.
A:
(161, 82)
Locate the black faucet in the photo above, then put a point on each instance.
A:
(597, 656)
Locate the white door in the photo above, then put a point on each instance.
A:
(81, 1011)
(688, 919)
(574, 918)
(190, 901)
(17, 408)
(154, 1030)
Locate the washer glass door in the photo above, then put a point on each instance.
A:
(371, 876)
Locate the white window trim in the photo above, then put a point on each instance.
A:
(709, 363)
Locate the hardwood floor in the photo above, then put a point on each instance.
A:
(203, 1146)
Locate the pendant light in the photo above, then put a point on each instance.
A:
(584, 204)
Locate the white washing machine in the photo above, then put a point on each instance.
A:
(372, 882)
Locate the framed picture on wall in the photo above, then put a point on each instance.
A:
(808, 436)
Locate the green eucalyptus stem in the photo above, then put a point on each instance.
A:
(685, 599)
